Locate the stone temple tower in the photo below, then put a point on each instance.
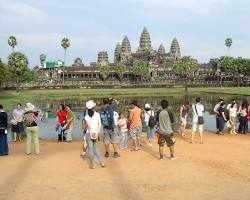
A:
(161, 49)
(102, 58)
(125, 54)
(175, 49)
(117, 53)
(145, 42)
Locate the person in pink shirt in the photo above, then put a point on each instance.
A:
(123, 127)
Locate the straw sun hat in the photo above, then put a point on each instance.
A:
(29, 107)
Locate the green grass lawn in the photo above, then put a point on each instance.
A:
(10, 98)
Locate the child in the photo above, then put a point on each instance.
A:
(122, 124)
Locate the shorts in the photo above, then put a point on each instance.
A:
(135, 132)
(199, 126)
(169, 139)
(110, 136)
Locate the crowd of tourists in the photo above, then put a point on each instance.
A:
(115, 129)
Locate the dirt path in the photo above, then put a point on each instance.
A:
(218, 169)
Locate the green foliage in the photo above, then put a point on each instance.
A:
(141, 69)
(104, 70)
(120, 69)
(226, 64)
(228, 42)
(65, 43)
(12, 41)
(4, 73)
(17, 63)
(42, 58)
(27, 76)
(185, 67)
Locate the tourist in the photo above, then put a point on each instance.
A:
(150, 122)
(165, 130)
(221, 118)
(232, 110)
(183, 118)
(93, 122)
(4, 149)
(69, 123)
(60, 122)
(32, 132)
(84, 131)
(243, 126)
(216, 107)
(17, 123)
(110, 135)
(198, 121)
(135, 125)
(123, 127)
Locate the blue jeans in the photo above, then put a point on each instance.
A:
(93, 151)
(149, 133)
(124, 140)
(221, 124)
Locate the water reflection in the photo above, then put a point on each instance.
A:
(49, 107)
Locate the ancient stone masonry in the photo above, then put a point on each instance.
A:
(159, 62)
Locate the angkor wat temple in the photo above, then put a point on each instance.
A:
(159, 61)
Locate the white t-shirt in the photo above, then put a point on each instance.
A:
(18, 115)
(200, 110)
(94, 121)
(232, 111)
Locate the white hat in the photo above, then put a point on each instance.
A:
(29, 107)
(147, 105)
(90, 104)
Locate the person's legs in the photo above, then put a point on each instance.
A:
(240, 129)
(149, 135)
(69, 134)
(91, 152)
(14, 136)
(97, 154)
(221, 123)
(194, 128)
(245, 126)
(217, 124)
(107, 140)
(122, 140)
(19, 137)
(161, 142)
(28, 140)
(201, 133)
(36, 139)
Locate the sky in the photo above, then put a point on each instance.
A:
(201, 27)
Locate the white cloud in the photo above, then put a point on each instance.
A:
(16, 11)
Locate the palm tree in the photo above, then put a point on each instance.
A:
(42, 58)
(17, 63)
(228, 43)
(65, 43)
(12, 42)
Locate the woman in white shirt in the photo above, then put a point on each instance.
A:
(93, 121)
(232, 110)
(17, 123)
(198, 121)
(150, 124)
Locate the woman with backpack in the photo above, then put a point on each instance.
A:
(150, 122)
(93, 121)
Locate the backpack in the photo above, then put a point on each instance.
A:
(106, 119)
(151, 121)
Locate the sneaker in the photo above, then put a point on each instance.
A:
(83, 155)
(102, 165)
(106, 154)
(116, 155)
(161, 157)
(173, 157)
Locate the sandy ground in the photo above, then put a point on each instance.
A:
(218, 169)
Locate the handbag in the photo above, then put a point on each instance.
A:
(200, 118)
